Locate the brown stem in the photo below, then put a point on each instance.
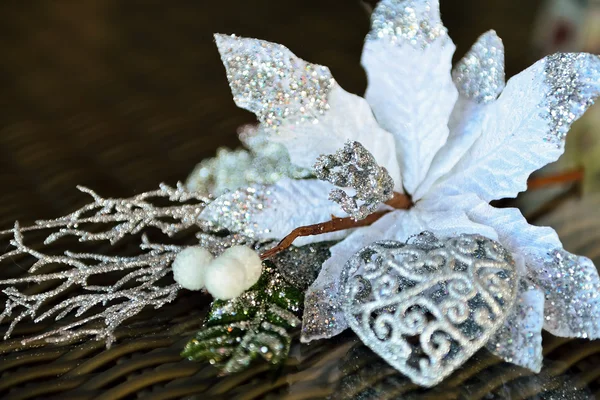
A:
(399, 201)
(565, 177)
(336, 224)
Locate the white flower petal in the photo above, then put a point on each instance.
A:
(525, 128)
(570, 283)
(479, 77)
(407, 57)
(323, 317)
(519, 341)
(272, 212)
(300, 105)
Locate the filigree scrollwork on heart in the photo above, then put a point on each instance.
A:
(427, 305)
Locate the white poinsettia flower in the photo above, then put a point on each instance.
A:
(453, 140)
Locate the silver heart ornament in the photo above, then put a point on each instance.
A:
(427, 305)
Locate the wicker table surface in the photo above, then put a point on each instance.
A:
(122, 95)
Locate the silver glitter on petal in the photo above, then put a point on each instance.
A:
(415, 22)
(573, 81)
(572, 290)
(519, 340)
(479, 75)
(354, 167)
(451, 297)
(264, 162)
(235, 211)
(269, 80)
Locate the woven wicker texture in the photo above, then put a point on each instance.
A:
(121, 95)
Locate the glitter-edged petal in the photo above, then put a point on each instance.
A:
(407, 57)
(479, 77)
(300, 105)
(519, 340)
(526, 127)
(570, 283)
(572, 289)
(323, 317)
(272, 212)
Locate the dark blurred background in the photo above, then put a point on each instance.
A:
(122, 95)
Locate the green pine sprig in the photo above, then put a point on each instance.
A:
(254, 326)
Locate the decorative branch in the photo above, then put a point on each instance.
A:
(128, 216)
(117, 301)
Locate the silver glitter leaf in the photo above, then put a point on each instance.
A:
(479, 75)
(572, 289)
(263, 162)
(300, 266)
(525, 128)
(427, 306)
(354, 167)
(269, 80)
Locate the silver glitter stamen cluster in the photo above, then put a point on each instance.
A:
(407, 21)
(269, 80)
(264, 162)
(479, 75)
(573, 80)
(572, 292)
(354, 167)
(109, 305)
(425, 307)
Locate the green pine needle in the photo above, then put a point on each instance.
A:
(254, 326)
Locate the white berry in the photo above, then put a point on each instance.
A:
(189, 267)
(249, 259)
(225, 278)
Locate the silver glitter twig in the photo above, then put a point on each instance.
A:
(354, 167)
(137, 285)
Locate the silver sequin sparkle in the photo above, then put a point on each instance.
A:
(416, 22)
(354, 167)
(269, 80)
(573, 81)
(479, 75)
